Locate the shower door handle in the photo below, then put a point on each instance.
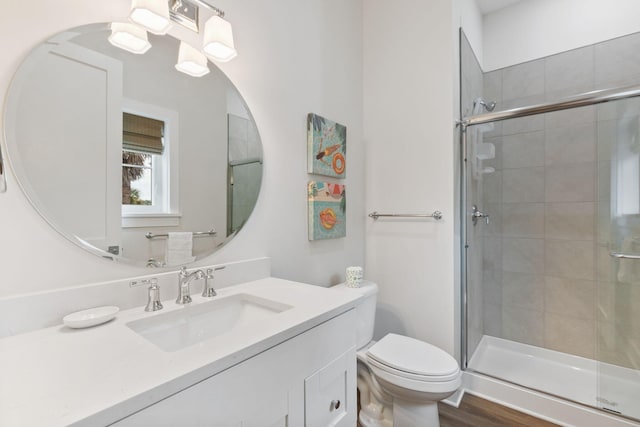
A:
(476, 214)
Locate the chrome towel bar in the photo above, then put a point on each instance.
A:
(624, 256)
(437, 215)
(150, 235)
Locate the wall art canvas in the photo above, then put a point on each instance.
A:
(327, 210)
(326, 147)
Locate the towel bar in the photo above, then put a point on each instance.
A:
(150, 235)
(437, 215)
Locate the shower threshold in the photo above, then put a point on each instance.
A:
(589, 382)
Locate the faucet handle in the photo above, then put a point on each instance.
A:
(153, 303)
(208, 290)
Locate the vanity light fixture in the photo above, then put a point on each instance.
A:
(218, 39)
(191, 61)
(156, 15)
(129, 37)
(151, 14)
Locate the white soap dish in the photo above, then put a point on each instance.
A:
(91, 317)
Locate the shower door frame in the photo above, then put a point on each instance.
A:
(581, 100)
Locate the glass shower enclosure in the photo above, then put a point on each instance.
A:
(550, 213)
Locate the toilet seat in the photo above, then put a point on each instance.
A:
(413, 364)
(421, 378)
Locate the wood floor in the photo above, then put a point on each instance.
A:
(477, 412)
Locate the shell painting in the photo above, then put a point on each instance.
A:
(326, 147)
(327, 210)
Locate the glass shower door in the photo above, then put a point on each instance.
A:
(618, 314)
(482, 232)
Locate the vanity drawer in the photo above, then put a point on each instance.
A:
(330, 393)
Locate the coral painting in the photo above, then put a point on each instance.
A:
(326, 147)
(327, 210)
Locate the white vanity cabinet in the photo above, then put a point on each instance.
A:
(308, 380)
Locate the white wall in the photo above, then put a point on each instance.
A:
(533, 29)
(467, 15)
(409, 87)
(294, 58)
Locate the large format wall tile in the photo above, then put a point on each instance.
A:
(492, 254)
(573, 221)
(604, 263)
(603, 184)
(570, 183)
(570, 259)
(493, 320)
(523, 80)
(522, 256)
(492, 187)
(492, 90)
(492, 286)
(523, 325)
(523, 185)
(523, 220)
(570, 335)
(570, 144)
(571, 117)
(523, 150)
(603, 222)
(523, 290)
(569, 72)
(570, 296)
(617, 61)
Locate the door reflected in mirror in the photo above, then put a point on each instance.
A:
(112, 147)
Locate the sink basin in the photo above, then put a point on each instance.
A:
(193, 324)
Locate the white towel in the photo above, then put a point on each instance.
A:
(179, 249)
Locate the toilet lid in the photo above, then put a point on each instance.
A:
(413, 356)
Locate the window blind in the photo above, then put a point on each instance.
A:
(142, 134)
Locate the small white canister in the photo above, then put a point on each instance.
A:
(354, 276)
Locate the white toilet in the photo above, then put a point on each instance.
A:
(400, 379)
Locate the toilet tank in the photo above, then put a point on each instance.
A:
(365, 310)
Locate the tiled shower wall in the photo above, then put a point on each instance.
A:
(546, 276)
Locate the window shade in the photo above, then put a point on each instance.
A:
(142, 134)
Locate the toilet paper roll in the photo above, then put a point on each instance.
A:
(354, 276)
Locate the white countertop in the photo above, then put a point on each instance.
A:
(60, 376)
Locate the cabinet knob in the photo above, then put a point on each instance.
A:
(335, 404)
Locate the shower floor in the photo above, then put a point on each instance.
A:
(575, 378)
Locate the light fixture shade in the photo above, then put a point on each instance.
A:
(218, 40)
(151, 14)
(191, 61)
(129, 37)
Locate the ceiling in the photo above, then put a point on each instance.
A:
(488, 6)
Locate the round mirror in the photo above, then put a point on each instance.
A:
(125, 155)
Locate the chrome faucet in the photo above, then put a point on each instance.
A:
(184, 278)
